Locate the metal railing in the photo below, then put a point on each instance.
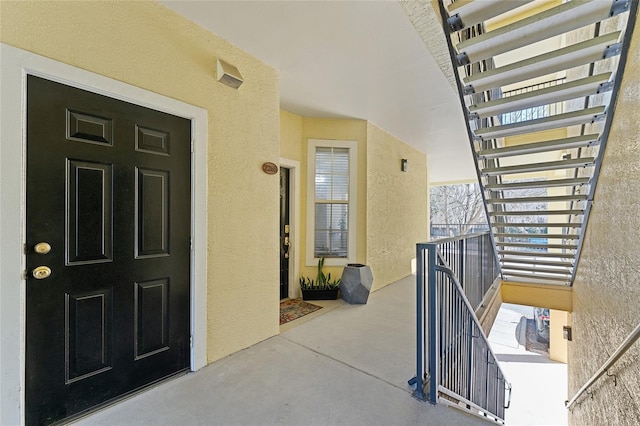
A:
(624, 346)
(455, 363)
(473, 262)
(439, 230)
(533, 112)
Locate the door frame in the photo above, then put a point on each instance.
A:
(294, 219)
(15, 65)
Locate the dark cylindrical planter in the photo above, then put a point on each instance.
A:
(355, 284)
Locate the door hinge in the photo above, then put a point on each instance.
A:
(191, 341)
(190, 243)
(193, 143)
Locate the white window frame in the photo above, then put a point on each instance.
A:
(352, 146)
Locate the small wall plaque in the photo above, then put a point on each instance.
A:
(270, 168)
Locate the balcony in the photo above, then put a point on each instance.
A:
(348, 366)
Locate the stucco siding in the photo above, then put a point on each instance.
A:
(606, 296)
(396, 206)
(291, 136)
(146, 45)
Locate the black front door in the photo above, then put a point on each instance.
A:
(107, 249)
(285, 243)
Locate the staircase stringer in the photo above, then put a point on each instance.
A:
(467, 120)
(499, 223)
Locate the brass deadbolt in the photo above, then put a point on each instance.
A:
(41, 272)
(42, 248)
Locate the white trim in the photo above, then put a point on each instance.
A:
(15, 65)
(353, 197)
(294, 221)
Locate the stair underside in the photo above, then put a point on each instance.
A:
(538, 186)
(558, 20)
(562, 92)
(568, 57)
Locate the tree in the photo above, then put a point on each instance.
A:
(455, 209)
(458, 207)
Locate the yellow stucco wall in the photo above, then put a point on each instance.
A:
(490, 306)
(557, 297)
(291, 136)
(147, 45)
(544, 135)
(557, 342)
(606, 292)
(392, 205)
(396, 206)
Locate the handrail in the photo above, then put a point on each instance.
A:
(443, 230)
(441, 241)
(476, 269)
(472, 258)
(624, 346)
(455, 281)
(475, 319)
(487, 392)
(454, 359)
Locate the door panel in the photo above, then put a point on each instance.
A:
(152, 213)
(89, 212)
(151, 317)
(88, 334)
(89, 128)
(108, 188)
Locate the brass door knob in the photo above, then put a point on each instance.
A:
(41, 272)
(42, 248)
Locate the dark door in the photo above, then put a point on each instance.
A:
(108, 189)
(284, 233)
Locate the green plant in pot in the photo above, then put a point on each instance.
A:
(322, 288)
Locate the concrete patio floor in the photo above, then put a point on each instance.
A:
(343, 365)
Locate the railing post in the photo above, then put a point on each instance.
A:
(420, 337)
(434, 349)
(470, 383)
(462, 264)
(485, 403)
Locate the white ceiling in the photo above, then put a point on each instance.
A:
(349, 59)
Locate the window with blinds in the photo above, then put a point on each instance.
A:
(331, 208)
(331, 202)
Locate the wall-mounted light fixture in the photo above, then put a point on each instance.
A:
(566, 332)
(404, 165)
(228, 74)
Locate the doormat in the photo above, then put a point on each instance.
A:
(292, 309)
